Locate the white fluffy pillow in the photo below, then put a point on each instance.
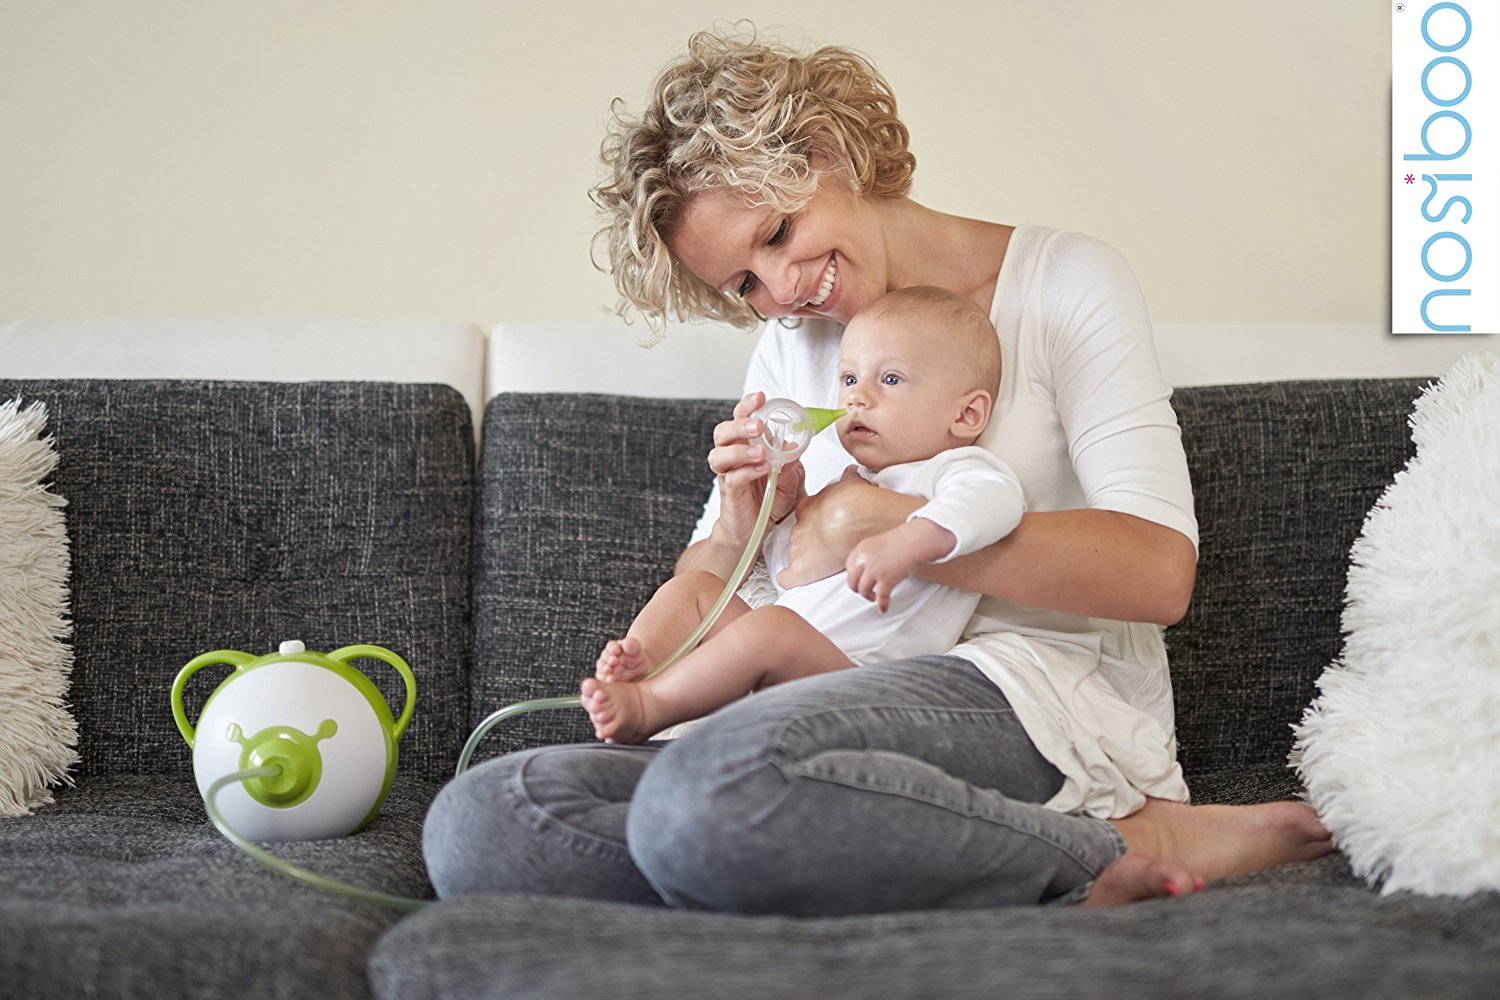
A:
(37, 734)
(1401, 750)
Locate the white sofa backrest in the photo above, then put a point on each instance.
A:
(296, 350)
(708, 360)
(691, 361)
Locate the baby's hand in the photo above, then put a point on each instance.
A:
(881, 561)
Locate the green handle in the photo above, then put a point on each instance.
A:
(385, 656)
(232, 657)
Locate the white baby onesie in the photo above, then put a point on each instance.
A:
(968, 491)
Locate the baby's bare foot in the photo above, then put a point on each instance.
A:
(1133, 877)
(1218, 841)
(619, 712)
(622, 660)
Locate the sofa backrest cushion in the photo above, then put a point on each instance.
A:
(1283, 476)
(587, 500)
(230, 515)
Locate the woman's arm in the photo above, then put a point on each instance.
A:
(1098, 563)
(704, 555)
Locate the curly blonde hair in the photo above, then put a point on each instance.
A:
(749, 116)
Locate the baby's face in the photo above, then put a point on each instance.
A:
(902, 391)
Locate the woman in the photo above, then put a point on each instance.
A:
(1035, 764)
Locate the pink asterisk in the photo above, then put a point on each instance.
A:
(1410, 179)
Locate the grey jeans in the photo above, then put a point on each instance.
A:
(897, 786)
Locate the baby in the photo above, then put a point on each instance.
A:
(919, 370)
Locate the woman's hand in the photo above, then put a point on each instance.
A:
(741, 467)
(834, 520)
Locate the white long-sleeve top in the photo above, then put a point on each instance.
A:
(969, 492)
(1084, 420)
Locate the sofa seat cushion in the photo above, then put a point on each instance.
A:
(123, 888)
(1255, 940)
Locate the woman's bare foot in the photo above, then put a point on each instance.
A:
(1219, 841)
(620, 712)
(1133, 877)
(622, 660)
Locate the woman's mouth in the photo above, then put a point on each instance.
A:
(827, 284)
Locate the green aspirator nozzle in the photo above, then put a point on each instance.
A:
(790, 427)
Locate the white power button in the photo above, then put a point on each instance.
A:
(292, 647)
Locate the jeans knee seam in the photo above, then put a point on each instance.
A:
(1033, 834)
(587, 837)
(777, 748)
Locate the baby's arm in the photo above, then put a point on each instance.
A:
(974, 499)
(881, 561)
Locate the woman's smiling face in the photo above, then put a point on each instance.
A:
(825, 260)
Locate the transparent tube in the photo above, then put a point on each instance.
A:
(510, 711)
(747, 559)
(404, 903)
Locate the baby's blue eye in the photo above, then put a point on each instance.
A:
(892, 380)
(847, 380)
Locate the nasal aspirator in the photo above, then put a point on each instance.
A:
(314, 719)
(789, 429)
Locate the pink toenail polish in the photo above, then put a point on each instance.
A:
(1171, 889)
(1198, 884)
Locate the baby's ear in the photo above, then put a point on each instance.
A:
(973, 416)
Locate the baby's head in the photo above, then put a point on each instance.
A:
(919, 370)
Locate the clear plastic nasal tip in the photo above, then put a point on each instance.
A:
(790, 427)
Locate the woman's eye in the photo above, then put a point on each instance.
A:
(891, 379)
(748, 285)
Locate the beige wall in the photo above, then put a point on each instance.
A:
(382, 159)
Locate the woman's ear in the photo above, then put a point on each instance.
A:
(974, 415)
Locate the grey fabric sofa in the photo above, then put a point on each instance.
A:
(207, 516)
(211, 515)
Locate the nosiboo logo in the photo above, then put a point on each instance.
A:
(1445, 153)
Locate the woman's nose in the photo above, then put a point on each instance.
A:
(781, 285)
